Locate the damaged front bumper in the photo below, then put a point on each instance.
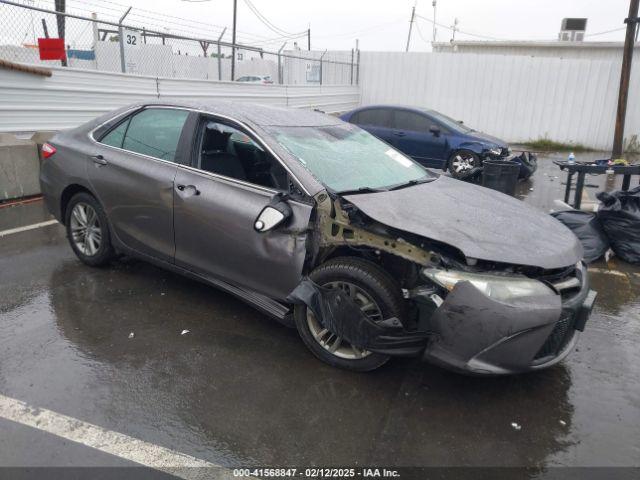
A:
(475, 334)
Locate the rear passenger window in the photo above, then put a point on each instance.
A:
(406, 120)
(377, 117)
(116, 136)
(154, 132)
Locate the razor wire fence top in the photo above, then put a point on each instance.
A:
(131, 47)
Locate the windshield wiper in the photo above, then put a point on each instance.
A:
(362, 190)
(411, 183)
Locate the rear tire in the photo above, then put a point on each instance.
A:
(88, 230)
(371, 287)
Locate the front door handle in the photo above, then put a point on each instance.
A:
(188, 190)
(99, 160)
(399, 134)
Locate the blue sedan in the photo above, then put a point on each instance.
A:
(429, 137)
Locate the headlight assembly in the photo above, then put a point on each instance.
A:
(495, 151)
(500, 288)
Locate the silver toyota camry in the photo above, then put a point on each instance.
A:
(325, 228)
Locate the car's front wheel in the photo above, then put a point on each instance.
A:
(463, 163)
(88, 230)
(372, 289)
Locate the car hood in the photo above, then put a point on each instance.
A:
(478, 221)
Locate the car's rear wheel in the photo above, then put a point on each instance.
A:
(463, 163)
(88, 230)
(372, 289)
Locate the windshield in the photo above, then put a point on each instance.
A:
(346, 158)
(450, 123)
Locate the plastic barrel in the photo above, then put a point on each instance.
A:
(501, 175)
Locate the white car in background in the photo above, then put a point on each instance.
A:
(262, 79)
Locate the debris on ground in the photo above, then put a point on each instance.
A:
(619, 215)
(589, 231)
(184, 332)
(131, 335)
(563, 423)
(516, 426)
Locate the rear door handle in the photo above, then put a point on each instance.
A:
(99, 160)
(399, 134)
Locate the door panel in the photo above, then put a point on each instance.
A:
(214, 234)
(137, 196)
(412, 136)
(132, 170)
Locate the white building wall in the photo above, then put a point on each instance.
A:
(517, 98)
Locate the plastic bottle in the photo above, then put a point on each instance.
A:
(572, 159)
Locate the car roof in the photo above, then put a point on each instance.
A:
(252, 113)
(393, 106)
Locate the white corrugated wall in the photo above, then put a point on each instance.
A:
(516, 98)
(71, 97)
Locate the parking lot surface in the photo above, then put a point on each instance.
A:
(106, 347)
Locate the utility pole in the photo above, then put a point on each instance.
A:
(454, 29)
(233, 41)
(632, 21)
(60, 6)
(434, 20)
(413, 15)
(309, 38)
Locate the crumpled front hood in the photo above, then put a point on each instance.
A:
(480, 222)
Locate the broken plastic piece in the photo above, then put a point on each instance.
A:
(184, 332)
(131, 335)
(342, 316)
(516, 426)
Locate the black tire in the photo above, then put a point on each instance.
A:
(104, 253)
(467, 155)
(372, 280)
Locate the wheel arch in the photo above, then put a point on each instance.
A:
(67, 194)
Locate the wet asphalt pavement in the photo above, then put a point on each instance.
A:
(241, 390)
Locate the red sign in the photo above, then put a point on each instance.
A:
(52, 49)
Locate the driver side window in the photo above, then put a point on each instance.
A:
(228, 151)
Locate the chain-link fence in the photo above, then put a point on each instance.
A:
(97, 44)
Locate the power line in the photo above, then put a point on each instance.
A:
(606, 31)
(486, 37)
(267, 23)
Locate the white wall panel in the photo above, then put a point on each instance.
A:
(517, 98)
(71, 97)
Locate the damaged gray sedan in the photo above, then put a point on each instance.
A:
(325, 228)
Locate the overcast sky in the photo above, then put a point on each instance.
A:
(379, 24)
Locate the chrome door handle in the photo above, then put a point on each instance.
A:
(99, 160)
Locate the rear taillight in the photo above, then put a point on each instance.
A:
(48, 150)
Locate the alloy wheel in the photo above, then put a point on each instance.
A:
(333, 343)
(86, 232)
(463, 163)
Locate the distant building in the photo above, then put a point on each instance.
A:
(556, 48)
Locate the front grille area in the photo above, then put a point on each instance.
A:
(559, 337)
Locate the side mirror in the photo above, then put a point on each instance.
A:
(435, 130)
(272, 215)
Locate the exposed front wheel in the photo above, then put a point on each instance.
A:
(463, 163)
(372, 289)
(88, 230)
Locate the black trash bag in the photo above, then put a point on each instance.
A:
(337, 312)
(589, 231)
(528, 164)
(619, 215)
